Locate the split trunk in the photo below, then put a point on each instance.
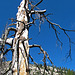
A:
(20, 59)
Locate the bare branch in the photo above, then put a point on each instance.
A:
(8, 50)
(7, 31)
(69, 55)
(44, 58)
(14, 20)
(57, 35)
(38, 11)
(56, 24)
(35, 63)
(8, 41)
(1, 41)
(44, 52)
(49, 14)
(12, 35)
(12, 24)
(3, 53)
(36, 4)
(64, 30)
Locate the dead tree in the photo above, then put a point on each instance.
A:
(19, 45)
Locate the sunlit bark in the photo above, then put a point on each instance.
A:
(21, 64)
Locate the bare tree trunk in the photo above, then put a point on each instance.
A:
(19, 44)
(20, 66)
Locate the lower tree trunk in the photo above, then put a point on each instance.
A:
(21, 56)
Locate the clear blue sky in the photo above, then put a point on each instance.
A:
(63, 14)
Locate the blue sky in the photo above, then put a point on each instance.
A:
(63, 14)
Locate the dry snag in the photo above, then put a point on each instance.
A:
(19, 42)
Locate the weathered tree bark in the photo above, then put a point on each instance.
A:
(20, 66)
(19, 44)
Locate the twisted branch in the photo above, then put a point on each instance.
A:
(64, 30)
(45, 54)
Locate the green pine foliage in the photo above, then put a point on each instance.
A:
(70, 72)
